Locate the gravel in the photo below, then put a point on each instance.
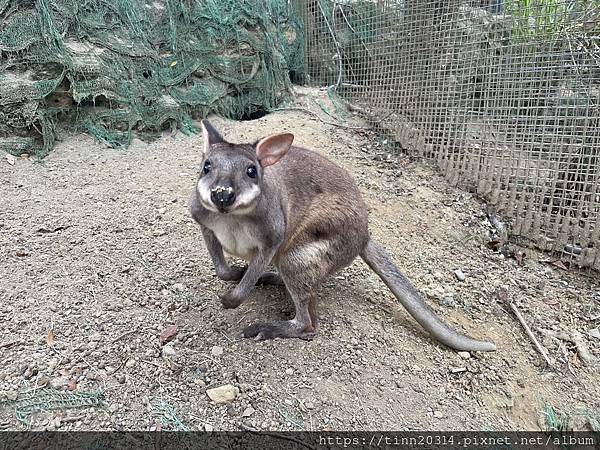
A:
(126, 261)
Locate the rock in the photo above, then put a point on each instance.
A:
(289, 371)
(52, 364)
(248, 411)
(30, 371)
(59, 382)
(223, 394)
(208, 427)
(168, 351)
(159, 233)
(437, 293)
(130, 363)
(438, 414)
(460, 276)
(10, 395)
(216, 351)
(464, 355)
(447, 300)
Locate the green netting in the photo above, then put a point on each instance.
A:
(48, 399)
(112, 67)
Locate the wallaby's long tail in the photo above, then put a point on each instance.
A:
(380, 262)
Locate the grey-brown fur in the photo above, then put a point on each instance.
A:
(307, 217)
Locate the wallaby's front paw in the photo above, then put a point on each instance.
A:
(234, 273)
(230, 301)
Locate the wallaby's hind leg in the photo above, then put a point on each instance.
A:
(303, 270)
(300, 326)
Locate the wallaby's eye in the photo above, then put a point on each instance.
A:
(251, 171)
(206, 167)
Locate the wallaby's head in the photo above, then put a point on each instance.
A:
(231, 175)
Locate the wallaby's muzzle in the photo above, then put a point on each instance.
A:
(222, 196)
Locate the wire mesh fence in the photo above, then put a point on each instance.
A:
(503, 94)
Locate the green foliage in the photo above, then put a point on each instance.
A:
(552, 17)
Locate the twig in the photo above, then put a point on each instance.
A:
(9, 344)
(351, 85)
(226, 337)
(151, 363)
(540, 348)
(125, 334)
(563, 348)
(577, 339)
(295, 108)
(275, 435)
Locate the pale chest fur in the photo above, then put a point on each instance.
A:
(236, 238)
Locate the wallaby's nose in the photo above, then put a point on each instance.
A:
(222, 196)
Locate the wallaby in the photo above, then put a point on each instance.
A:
(271, 203)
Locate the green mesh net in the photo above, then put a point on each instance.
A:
(115, 67)
(47, 399)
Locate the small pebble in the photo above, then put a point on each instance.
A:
(289, 371)
(216, 351)
(459, 275)
(248, 411)
(464, 355)
(59, 382)
(168, 351)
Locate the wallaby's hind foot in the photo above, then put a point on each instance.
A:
(270, 279)
(278, 329)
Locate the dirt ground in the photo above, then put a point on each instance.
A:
(99, 255)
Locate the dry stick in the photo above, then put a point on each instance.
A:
(540, 348)
(577, 339)
(307, 111)
(9, 344)
(125, 334)
(275, 435)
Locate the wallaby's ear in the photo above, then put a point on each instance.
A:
(271, 149)
(210, 135)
